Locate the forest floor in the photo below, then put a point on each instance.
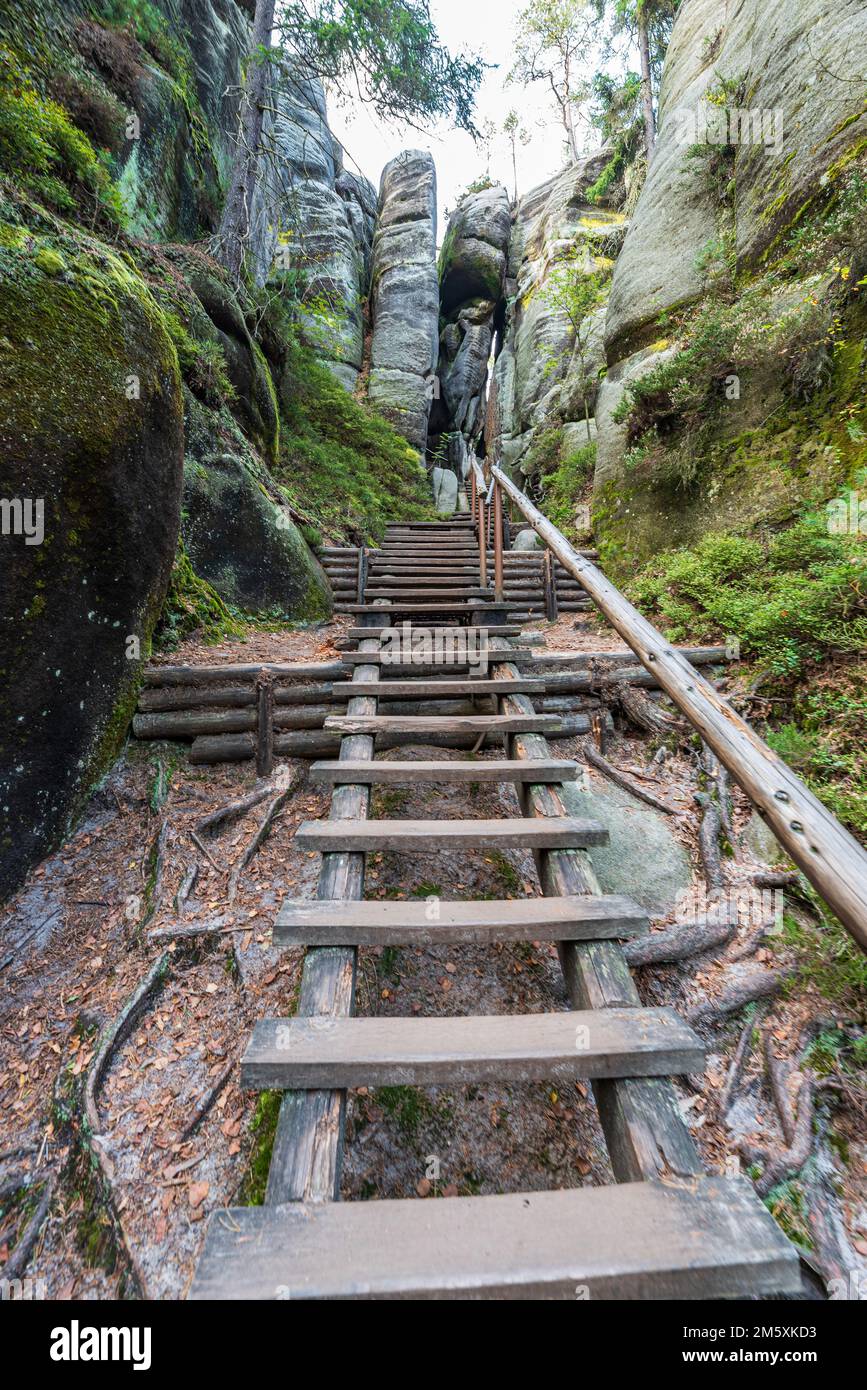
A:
(175, 1137)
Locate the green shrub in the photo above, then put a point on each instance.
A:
(43, 151)
(192, 605)
(791, 600)
(341, 464)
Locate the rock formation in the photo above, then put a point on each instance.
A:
(544, 379)
(315, 220)
(92, 434)
(405, 295)
(472, 270)
(761, 116)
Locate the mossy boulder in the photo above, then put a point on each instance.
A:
(238, 537)
(91, 430)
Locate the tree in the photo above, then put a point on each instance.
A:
(647, 24)
(552, 36)
(515, 132)
(386, 51)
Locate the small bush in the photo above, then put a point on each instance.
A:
(342, 464)
(48, 155)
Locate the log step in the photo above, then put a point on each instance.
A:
(442, 690)
(446, 724)
(306, 922)
(298, 1054)
(710, 1238)
(513, 832)
(533, 770)
(439, 593)
(358, 634)
(390, 609)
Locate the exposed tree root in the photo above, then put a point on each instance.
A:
(77, 1114)
(643, 712)
(742, 1052)
(19, 1259)
(759, 984)
(206, 1103)
(116, 1033)
(708, 843)
(679, 943)
(233, 809)
(188, 884)
(605, 767)
(261, 835)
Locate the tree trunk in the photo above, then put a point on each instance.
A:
(646, 84)
(233, 235)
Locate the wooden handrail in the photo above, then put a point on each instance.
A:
(829, 856)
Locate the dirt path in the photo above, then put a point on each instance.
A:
(83, 932)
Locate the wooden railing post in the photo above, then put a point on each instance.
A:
(483, 540)
(498, 543)
(362, 572)
(473, 494)
(549, 585)
(265, 724)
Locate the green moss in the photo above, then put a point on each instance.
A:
(342, 466)
(46, 153)
(192, 605)
(263, 1128)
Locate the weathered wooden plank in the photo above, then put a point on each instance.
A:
(502, 630)
(323, 743)
(305, 1161)
(537, 832)
(386, 658)
(708, 1239)
(422, 689)
(303, 922)
(480, 770)
(467, 724)
(350, 1052)
(192, 723)
(221, 675)
(645, 1133)
(389, 609)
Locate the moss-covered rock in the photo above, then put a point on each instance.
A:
(237, 536)
(91, 429)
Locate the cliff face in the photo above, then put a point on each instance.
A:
(742, 252)
(144, 400)
(314, 219)
(404, 295)
(547, 372)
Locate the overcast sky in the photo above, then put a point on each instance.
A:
(485, 26)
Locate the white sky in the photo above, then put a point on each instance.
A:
(485, 26)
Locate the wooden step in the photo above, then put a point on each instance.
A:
(358, 634)
(533, 770)
(708, 1238)
(513, 832)
(306, 922)
(442, 690)
(447, 724)
(312, 1054)
(434, 593)
(470, 606)
(385, 656)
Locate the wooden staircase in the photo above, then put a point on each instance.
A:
(666, 1229)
